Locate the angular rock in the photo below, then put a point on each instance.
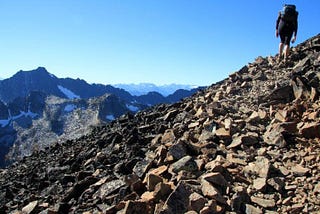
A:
(239, 199)
(259, 184)
(196, 202)
(223, 133)
(275, 134)
(282, 115)
(170, 115)
(108, 188)
(299, 170)
(279, 95)
(158, 171)
(217, 180)
(161, 191)
(191, 212)
(79, 188)
(147, 196)
(235, 142)
(152, 181)
(211, 207)
(300, 90)
(252, 210)
(236, 159)
(266, 203)
(212, 192)
(247, 139)
(136, 207)
(310, 130)
(317, 188)
(261, 167)
(177, 150)
(178, 200)
(168, 137)
(30, 208)
(277, 183)
(206, 136)
(186, 163)
(141, 167)
(301, 64)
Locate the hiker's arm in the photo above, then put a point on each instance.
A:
(295, 31)
(296, 26)
(277, 24)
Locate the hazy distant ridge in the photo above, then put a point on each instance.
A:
(145, 88)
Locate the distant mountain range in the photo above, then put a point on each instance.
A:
(23, 82)
(145, 88)
(38, 108)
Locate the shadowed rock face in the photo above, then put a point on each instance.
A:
(34, 122)
(248, 144)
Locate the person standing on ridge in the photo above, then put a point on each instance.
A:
(286, 27)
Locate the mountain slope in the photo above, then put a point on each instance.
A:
(38, 120)
(248, 144)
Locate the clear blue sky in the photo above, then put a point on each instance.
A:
(195, 42)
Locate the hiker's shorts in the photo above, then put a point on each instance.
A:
(285, 32)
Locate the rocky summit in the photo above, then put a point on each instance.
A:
(247, 144)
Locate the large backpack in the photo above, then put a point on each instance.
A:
(289, 13)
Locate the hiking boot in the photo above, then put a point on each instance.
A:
(279, 58)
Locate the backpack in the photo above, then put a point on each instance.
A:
(289, 13)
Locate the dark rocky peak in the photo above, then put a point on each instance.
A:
(108, 106)
(248, 144)
(34, 102)
(151, 98)
(23, 82)
(39, 75)
(182, 93)
(3, 110)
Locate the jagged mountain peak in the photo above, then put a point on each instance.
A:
(24, 82)
(38, 72)
(248, 144)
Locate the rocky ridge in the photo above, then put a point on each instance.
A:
(38, 120)
(248, 144)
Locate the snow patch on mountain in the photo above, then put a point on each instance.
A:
(6, 122)
(53, 76)
(132, 108)
(70, 108)
(69, 94)
(110, 117)
(25, 114)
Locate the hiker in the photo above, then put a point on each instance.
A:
(286, 26)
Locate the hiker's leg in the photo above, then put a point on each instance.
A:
(280, 49)
(281, 45)
(287, 45)
(286, 51)
(280, 52)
